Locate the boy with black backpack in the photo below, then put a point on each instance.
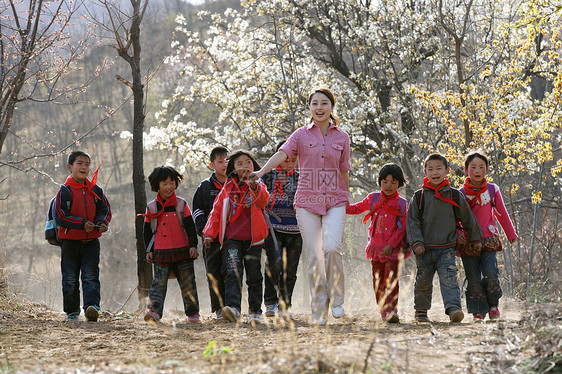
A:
(432, 232)
(82, 213)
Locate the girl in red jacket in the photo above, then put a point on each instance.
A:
(237, 218)
(387, 211)
(171, 244)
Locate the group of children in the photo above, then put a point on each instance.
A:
(237, 217)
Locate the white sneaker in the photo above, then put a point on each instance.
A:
(218, 314)
(338, 311)
(254, 318)
(318, 322)
(230, 314)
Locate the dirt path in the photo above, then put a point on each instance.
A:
(35, 339)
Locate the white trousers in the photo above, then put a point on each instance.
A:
(321, 243)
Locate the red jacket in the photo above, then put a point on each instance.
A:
(84, 206)
(224, 206)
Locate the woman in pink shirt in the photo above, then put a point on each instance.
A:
(323, 152)
(483, 291)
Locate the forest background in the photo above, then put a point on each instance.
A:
(410, 78)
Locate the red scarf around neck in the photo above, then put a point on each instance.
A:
(243, 192)
(278, 187)
(445, 182)
(383, 203)
(171, 201)
(88, 185)
(476, 191)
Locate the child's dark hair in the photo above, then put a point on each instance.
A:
(279, 145)
(74, 155)
(232, 159)
(472, 155)
(395, 171)
(436, 156)
(218, 151)
(161, 173)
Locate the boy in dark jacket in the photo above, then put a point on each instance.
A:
(202, 206)
(431, 229)
(83, 214)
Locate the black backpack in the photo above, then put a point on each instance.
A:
(51, 226)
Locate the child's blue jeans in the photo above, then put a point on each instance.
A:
(441, 261)
(483, 290)
(185, 275)
(80, 259)
(237, 256)
(279, 275)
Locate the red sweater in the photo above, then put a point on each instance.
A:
(225, 207)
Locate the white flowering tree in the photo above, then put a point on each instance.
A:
(410, 78)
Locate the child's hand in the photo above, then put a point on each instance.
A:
(512, 241)
(102, 228)
(387, 250)
(253, 185)
(89, 226)
(149, 257)
(419, 250)
(193, 252)
(461, 239)
(207, 242)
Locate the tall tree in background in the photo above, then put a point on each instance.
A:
(126, 30)
(35, 52)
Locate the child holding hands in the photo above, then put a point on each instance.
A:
(480, 266)
(171, 244)
(237, 218)
(387, 211)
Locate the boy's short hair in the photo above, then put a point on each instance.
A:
(436, 156)
(472, 155)
(279, 145)
(218, 151)
(232, 158)
(161, 173)
(392, 169)
(74, 155)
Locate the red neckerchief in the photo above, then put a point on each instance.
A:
(171, 201)
(476, 191)
(278, 187)
(89, 185)
(217, 184)
(383, 203)
(436, 189)
(242, 192)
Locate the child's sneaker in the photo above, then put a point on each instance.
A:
(494, 313)
(195, 318)
(151, 317)
(92, 313)
(338, 311)
(318, 322)
(456, 315)
(254, 318)
(421, 316)
(218, 314)
(391, 317)
(478, 317)
(230, 314)
(271, 310)
(72, 317)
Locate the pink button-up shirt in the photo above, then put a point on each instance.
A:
(322, 160)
